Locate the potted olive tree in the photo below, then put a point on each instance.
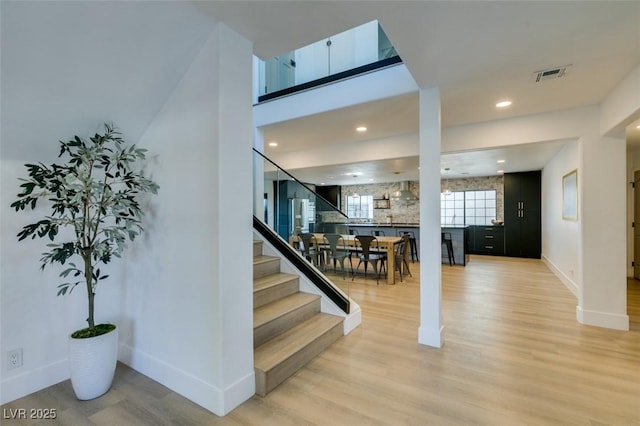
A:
(95, 195)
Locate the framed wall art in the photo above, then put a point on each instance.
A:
(570, 195)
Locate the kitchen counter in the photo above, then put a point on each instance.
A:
(384, 225)
(460, 243)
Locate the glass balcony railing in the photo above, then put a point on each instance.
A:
(358, 50)
(303, 220)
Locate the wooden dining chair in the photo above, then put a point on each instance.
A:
(401, 255)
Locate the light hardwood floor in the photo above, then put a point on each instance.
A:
(513, 355)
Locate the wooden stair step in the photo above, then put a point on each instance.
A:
(279, 358)
(276, 317)
(272, 287)
(265, 265)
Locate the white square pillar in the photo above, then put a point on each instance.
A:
(430, 331)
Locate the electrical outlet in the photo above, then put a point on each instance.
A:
(14, 359)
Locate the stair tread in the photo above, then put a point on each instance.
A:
(277, 308)
(274, 351)
(272, 280)
(263, 259)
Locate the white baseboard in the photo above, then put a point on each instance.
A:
(26, 383)
(218, 401)
(431, 337)
(602, 319)
(353, 320)
(568, 282)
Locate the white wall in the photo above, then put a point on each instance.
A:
(545, 127)
(622, 105)
(171, 295)
(183, 325)
(66, 68)
(69, 66)
(561, 239)
(32, 317)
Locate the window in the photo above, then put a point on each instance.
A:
(480, 207)
(468, 207)
(452, 208)
(360, 206)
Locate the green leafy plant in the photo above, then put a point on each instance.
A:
(95, 193)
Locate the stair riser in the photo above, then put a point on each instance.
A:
(266, 268)
(284, 322)
(267, 381)
(268, 295)
(257, 248)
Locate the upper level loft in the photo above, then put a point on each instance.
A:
(352, 52)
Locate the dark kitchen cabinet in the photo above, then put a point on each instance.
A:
(522, 214)
(487, 239)
(330, 193)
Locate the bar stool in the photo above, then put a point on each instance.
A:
(413, 245)
(446, 240)
(377, 233)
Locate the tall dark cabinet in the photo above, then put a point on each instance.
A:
(331, 193)
(522, 214)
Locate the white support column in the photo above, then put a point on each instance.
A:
(430, 331)
(234, 224)
(602, 298)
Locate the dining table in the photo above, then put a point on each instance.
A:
(386, 244)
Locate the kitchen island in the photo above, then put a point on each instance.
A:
(460, 243)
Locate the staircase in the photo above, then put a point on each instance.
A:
(288, 328)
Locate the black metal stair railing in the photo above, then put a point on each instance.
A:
(291, 208)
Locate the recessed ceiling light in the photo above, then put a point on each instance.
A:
(322, 183)
(500, 172)
(500, 161)
(274, 144)
(361, 129)
(503, 104)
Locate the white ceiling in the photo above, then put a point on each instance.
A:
(460, 165)
(476, 52)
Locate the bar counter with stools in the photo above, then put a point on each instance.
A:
(455, 244)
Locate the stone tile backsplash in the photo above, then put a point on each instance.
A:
(409, 211)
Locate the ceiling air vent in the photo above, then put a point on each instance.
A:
(550, 73)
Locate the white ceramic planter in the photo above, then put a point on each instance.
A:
(93, 364)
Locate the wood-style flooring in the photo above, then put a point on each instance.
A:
(513, 355)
